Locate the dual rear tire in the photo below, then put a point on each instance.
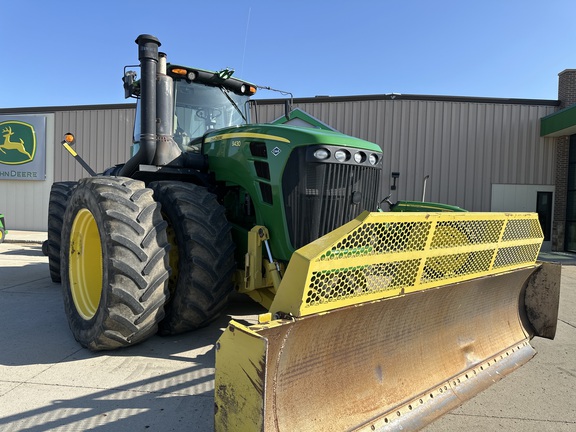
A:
(59, 194)
(115, 260)
(201, 255)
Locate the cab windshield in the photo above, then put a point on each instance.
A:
(200, 108)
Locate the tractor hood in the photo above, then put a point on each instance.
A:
(293, 135)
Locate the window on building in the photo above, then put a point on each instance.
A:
(544, 210)
(570, 241)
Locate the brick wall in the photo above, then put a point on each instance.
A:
(567, 97)
(567, 88)
(559, 225)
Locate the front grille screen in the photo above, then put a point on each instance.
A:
(320, 197)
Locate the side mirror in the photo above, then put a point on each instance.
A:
(131, 86)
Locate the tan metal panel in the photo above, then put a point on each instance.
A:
(465, 147)
(103, 138)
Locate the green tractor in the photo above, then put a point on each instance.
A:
(3, 230)
(176, 218)
(210, 203)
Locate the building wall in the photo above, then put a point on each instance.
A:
(103, 139)
(103, 135)
(464, 146)
(567, 97)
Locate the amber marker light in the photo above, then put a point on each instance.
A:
(248, 89)
(69, 138)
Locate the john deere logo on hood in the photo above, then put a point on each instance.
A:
(18, 143)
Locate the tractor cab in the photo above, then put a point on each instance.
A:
(195, 101)
(200, 107)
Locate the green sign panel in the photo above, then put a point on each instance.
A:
(19, 144)
(23, 147)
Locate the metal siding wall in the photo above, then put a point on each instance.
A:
(465, 147)
(103, 139)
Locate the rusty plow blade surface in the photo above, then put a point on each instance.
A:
(339, 359)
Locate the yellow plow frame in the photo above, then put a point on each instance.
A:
(388, 322)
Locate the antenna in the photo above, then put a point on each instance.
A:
(245, 41)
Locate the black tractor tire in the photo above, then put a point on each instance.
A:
(59, 194)
(201, 255)
(114, 263)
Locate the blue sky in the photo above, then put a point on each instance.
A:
(58, 53)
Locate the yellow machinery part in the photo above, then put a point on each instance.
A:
(85, 270)
(388, 345)
(261, 287)
(380, 255)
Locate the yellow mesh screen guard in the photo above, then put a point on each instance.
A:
(380, 255)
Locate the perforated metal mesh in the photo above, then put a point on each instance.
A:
(387, 254)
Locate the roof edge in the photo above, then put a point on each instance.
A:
(560, 123)
(357, 98)
(51, 109)
(398, 96)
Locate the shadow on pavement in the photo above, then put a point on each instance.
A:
(25, 250)
(164, 383)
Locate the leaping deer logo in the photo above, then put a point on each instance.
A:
(12, 145)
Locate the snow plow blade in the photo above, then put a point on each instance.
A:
(389, 322)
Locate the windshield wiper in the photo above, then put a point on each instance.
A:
(225, 91)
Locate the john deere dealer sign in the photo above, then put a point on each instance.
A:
(23, 147)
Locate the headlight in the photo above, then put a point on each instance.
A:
(321, 154)
(359, 157)
(341, 155)
(373, 159)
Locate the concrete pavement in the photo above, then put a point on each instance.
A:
(48, 382)
(19, 236)
(539, 396)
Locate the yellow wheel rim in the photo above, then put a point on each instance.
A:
(85, 269)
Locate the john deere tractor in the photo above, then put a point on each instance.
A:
(3, 230)
(377, 319)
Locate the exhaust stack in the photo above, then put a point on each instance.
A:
(148, 57)
(167, 150)
(156, 110)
